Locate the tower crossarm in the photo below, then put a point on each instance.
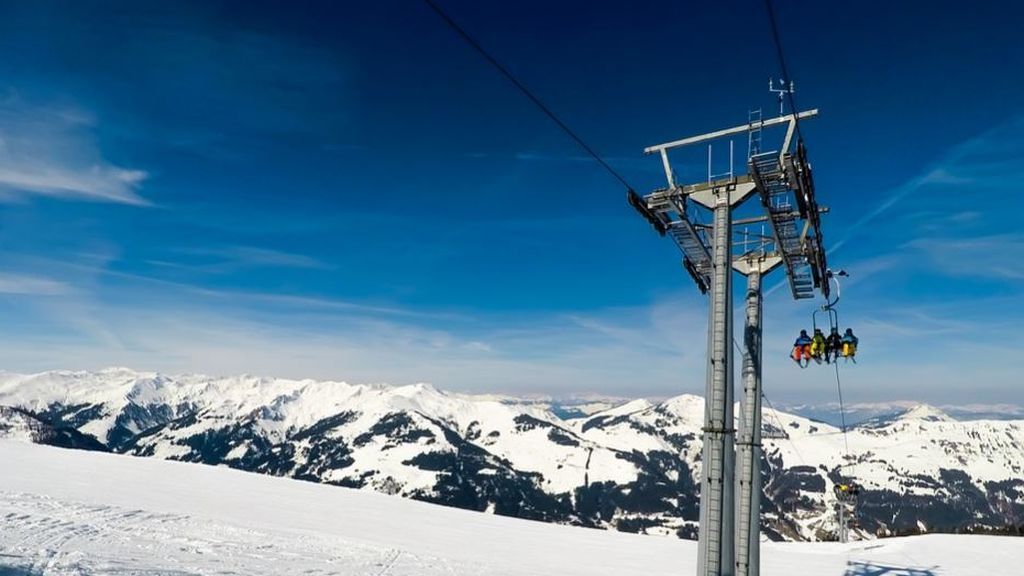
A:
(666, 209)
(730, 131)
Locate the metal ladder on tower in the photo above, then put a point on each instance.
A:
(698, 257)
(776, 192)
(753, 133)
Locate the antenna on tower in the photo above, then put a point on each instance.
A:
(782, 90)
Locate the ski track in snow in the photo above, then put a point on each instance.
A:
(42, 535)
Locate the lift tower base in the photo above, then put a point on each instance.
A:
(748, 444)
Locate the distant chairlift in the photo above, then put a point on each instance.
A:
(847, 494)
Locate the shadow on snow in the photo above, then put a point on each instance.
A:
(857, 568)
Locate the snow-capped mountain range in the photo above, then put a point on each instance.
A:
(633, 467)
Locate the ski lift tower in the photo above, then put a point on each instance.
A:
(789, 237)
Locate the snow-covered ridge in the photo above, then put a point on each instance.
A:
(633, 466)
(116, 387)
(926, 413)
(859, 412)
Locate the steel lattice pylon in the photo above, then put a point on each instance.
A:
(731, 482)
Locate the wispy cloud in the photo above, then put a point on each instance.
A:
(657, 349)
(116, 317)
(227, 258)
(52, 151)
(98, 183)
(310, 304)
(637, 162)
(31, 285)
(952, 187)
(994, 256)
(554, 355)
(1009, 410)
(894, 197)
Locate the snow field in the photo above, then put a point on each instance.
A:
(84, 513)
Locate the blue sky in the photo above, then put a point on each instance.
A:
(345, 190)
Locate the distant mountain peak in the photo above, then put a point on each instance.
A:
(415, 389)
(927, 413)
(630, 407)
(685, 405)
(119, 370)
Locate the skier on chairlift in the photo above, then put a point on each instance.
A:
(850, 345)
(802, 349)
(833, 346)
(847, 491)
(818, 345)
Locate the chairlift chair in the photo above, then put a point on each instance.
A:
(829, 353)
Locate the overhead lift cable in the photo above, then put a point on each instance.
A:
(526, 91)
(778, 422)
(784, 69)
(786, 80)
(842, 413)
(775, 414)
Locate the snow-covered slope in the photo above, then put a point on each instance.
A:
(88, 513)
(633, 467)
